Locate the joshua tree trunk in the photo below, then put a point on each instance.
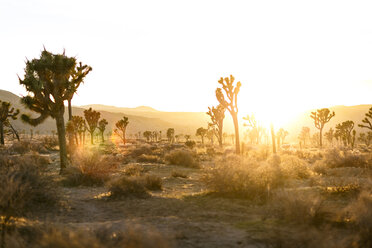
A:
(69, 110)
(62, 140)
(320, 138)
(103, 138)
(2, 133)
(14, 132)
(91, 138)
(236, 125)
(273, 138)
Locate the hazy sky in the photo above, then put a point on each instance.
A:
(290, 55)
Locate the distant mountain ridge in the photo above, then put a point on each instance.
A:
(144, 118)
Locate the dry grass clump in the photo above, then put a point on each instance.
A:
(127, 187)
(335, 158)
(23, 190)
(310, 237)
(152, 182)
(183, 158)
(144, 158)
(134, 170)
(105, 237)
(360, 213)
(299, 207)
(143, 149)
(20, 147)
(49, 142)
(244, 179)
(90, 169)
(179, 174)
(294, 168)
(262, 153)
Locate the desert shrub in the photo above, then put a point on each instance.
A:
(244, 180)
(48, 236)
(360, 213)
(190, 144)
(144, 158)
(341, 186)
(262, 153)
(335, 158)
(49, 142)
(310, 236)
(134, 170)
(127, 187)
(211, 151)
(90, 169)
(183, 158)
(178, 174)
(299, 208)
(152, 182)
(293, 167)
(20, 147)
(138, 151)
(24, 189)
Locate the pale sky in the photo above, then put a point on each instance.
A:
(291, 55)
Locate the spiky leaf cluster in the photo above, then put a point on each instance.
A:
(344, 130)
(50, 80)
(367, 120)
(321, 117)
(102, 125)
(6, 111)
(227, 96)
(92, 117)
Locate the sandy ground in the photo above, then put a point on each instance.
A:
(181, 212)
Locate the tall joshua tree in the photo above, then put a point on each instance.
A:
(217, 115)
(321, 117)
(102, 127)
(228, 98)
(367, 120)
(121, 127)
(202, 132)
(92, 117)
(170, 135)
(6, 112)
(48, 80)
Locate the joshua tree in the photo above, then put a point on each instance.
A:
(6, 112)
(201, 132)
(79, 127)
(147, 135)
(48, 79)
(187, 137)
(344, 130)
(365, 138)
(367, 121)
(170, 135)
(12, 129)
(229, 100)
(102, 127)
(217, 115)
(256, 130)
(80, 71)
(330, 135)
(273, 138)
(321, 117)
(121, 128)
(92, 117)
(281, 134)
(304, 135)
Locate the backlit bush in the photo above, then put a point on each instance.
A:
(183, 158)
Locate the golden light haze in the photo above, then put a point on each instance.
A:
(289, 55)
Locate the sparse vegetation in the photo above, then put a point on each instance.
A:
(183, 158)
